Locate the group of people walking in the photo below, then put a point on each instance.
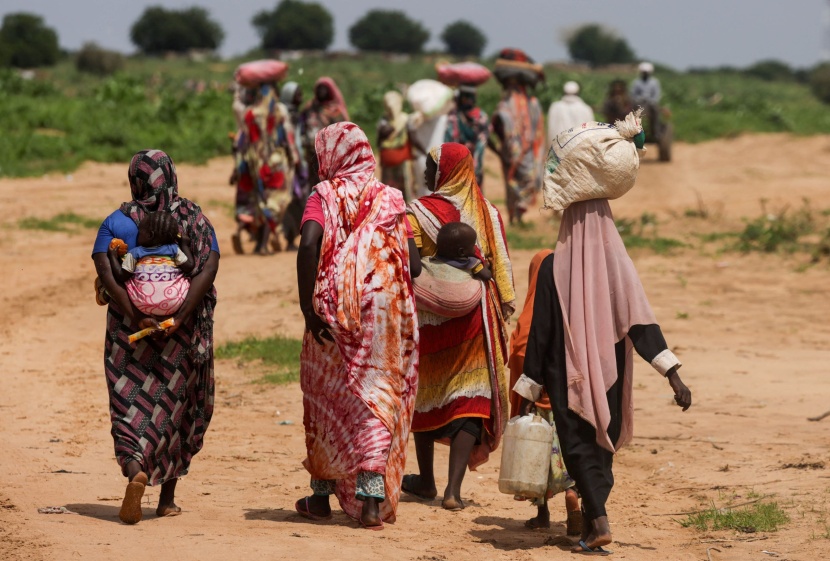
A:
(377, 362)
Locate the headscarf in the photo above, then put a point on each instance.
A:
(456, 183)
(518, 340)
(154, 187)
(356, 204)
(337, 104)
(601, 297)
(393, 108)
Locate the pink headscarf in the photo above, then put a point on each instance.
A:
(336, 95)
(601, 297)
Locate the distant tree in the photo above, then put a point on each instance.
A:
(388, 31)
(598, 46)
(820, 82)
(462, 38)
(295, 25)
(771, 71)
(160, 30)
(92, 59)
(26, 42)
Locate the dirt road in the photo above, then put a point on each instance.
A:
(752, 331)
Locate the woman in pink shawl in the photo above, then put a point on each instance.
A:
(590, 312)
(359, 363)
(326, 108)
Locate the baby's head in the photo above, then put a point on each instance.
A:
(456, 240)
(157, 228)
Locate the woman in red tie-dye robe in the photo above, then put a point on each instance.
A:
(359, 371)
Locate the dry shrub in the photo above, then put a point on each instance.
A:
(93, 59)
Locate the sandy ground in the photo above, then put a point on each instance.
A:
(751, 330)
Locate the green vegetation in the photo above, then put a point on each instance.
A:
(64, 117)
(160, 30)
(462, 38)
(279, 356)
(26, 42)
(771, 232)
(92, 59)
(597, 45)
(760, 517)
(388, 31)
(64, 222)
(642, 233)
(295, 25)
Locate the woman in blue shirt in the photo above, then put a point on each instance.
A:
(161, 389)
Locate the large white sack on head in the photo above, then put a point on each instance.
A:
(430, 98)
(592, 161)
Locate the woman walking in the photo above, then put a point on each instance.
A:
(359, 363)
(589, 313)
(160, 389)
(462, 391)
(327, 107)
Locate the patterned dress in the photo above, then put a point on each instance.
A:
(161, 391)
(522, 148)
(472, 129)
(463, 359)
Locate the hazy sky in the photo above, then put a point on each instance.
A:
(681, 33)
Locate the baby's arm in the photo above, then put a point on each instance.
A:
(482, 272)
(184, 246)
(120, 274)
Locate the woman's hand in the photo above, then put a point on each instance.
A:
(525, 407)
(317, 326)
(682, 394)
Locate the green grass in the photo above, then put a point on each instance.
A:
(63, 118)
(517, 240)
(278, 356)
(760, 517)
(64, 222)
(642, 234)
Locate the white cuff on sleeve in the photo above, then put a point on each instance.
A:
(528, 389)
(665, 361)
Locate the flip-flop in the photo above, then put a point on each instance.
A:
(457, 508)
(583, 549)
(307, 512)
(406, 488)
(130, 512)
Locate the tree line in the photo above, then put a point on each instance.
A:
(27, 42)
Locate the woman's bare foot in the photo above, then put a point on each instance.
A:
(370, 514)
(415, 485)
(452, 503)
(542, 519)
(167, 500)
(130, 512)
(574, 524)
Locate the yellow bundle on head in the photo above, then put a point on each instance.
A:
(593, 161)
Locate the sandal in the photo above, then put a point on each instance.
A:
(408, 487)
(583, 549)
(130, 512)
(306, 512)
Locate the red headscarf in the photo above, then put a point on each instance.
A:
(337, 101)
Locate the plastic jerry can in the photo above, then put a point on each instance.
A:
(525, 457)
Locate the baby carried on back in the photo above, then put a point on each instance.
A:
(155, 272)
(452, 284)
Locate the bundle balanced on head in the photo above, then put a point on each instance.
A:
(589, 313)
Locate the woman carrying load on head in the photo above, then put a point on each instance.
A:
(359, 363)
(395, 145)
(462, 389)
(160, 389)
(589, 313)
(467, 124)
(519, 124)
(327, 107)
(266, 154)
